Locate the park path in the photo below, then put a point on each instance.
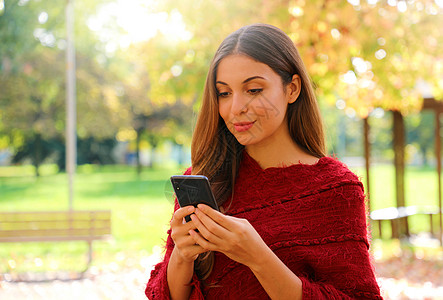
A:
(399, 278)
(122, 285)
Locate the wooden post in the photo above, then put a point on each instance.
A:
(367, 150)
(437, 107)
(399, 162)
(438, 157)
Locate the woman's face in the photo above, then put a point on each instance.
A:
(252, 100)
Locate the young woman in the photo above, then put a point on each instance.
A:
(293, 221)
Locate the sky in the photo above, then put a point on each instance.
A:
(138, 21)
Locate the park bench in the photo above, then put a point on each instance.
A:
(47, 226)
(396, 214)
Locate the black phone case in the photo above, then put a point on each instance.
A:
(193, 190)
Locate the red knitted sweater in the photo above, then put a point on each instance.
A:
(314, 219)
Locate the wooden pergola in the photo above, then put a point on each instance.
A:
(429, 103)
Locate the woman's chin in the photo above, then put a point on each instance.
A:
(245, 140)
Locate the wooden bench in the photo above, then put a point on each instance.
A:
(396, 214)
(41, 226)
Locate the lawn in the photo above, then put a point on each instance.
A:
(141, 210)
(420, 189)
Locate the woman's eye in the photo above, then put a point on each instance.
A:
(223, 94)
(255, 91)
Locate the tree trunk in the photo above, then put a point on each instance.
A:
(137, 152)
(37, 153)
(399, 162)
(367, 148)
(424, 152)
(153, 141)
(438, 157)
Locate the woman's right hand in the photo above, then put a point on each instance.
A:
(181, 263)
(185, 245)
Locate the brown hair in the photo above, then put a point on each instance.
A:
(215, 152)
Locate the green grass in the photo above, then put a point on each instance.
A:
(141, 210)
(420, 189)
(420, 185)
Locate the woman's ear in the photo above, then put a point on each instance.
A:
(293, 89)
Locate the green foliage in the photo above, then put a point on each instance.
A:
(32, 71)
(37, 149)
(369, 54)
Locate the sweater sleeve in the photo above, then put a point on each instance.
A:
(157, 287)
(339, 260)
(344, 275)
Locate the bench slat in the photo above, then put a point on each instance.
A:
(54, 225)
(23, 239)
(53, 215)
(49, 212)
(56, 232)
(43, 225)
(397, 214)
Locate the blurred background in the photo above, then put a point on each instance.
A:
(140, 67)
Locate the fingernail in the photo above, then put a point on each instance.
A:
(191, 209)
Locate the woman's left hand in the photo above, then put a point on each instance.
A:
(234, 237)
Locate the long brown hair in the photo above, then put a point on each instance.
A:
(215, 152)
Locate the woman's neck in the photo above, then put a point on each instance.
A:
(279, 155)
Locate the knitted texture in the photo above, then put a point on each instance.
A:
(313, 217)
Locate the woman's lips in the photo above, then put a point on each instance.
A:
(243, 126)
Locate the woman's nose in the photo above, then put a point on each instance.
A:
(239, 104)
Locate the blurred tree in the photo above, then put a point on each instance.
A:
(142, 113)
(357, 51)
(157, 95)
(36, 149)
(32, 71)
(94, 151)
(32, 104)
(28, 93)
(370, 53)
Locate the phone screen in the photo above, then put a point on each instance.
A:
(193, 190)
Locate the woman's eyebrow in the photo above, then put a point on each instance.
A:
(252, 78)
(244, 81)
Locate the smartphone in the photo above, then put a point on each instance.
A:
(193, 190)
